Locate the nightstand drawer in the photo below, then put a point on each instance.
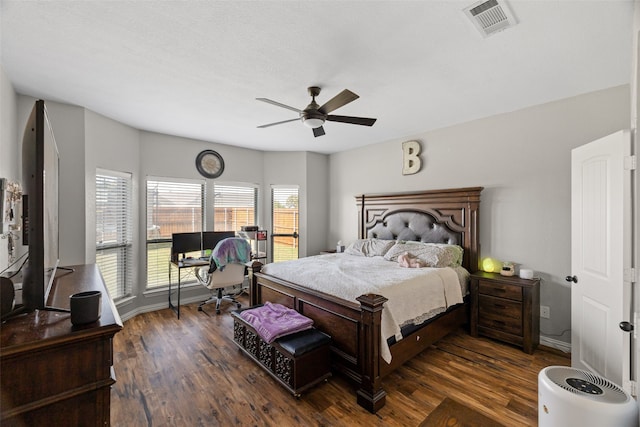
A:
(500, 314)
(506, 308)
(500, 290)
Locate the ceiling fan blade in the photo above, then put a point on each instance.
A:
(318, 131)
(278, 104)
(279, 123)
(352, 120)
(341, 99)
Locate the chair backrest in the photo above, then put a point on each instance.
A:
(211, 238)
(232, 274)
(231, 250)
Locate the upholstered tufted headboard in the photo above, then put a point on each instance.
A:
(436, 216)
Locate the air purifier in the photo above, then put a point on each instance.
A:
(575, 397)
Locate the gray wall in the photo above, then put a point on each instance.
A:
(8, 148)
(67, 123)
(317, 203)
(522, 159)
(174, 157)
(110, 145)
(8, 132)
(87, 141)
(309, 171)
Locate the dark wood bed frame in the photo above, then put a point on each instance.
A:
(452, 216)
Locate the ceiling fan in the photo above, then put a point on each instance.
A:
(314, 116)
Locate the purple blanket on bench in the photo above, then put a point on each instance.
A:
(272, 321)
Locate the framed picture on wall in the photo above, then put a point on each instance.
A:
(10, 200)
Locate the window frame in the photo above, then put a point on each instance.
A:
(123, 247)
(295, 235)
(243, 185)
(163, 244)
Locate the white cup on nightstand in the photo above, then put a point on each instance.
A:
(526, 273)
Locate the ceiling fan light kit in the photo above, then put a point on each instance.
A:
(312, 122)
(314, 116)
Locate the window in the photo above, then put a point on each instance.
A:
(285, 219)
(234, 206)
(114, 231)
(173, 206)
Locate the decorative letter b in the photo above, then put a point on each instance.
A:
(411, 161)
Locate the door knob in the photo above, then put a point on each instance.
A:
(626, 326)
(573, 279)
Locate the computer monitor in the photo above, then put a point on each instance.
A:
(211, 238)
(182, 243)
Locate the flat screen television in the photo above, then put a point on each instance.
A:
(40, 175)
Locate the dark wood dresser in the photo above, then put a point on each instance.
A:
(55, 373)
(506, 308)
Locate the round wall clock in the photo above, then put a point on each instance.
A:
(210, 164)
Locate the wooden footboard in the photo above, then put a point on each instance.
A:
(355, 330)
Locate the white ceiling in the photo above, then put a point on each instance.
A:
(194, 68)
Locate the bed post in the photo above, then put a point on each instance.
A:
(361, 218)
(252, 268)
(370, 395)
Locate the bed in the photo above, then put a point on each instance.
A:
(436, 216)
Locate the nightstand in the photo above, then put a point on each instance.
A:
(506, 308)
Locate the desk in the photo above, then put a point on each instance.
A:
(191, 263)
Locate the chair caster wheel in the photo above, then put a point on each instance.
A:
(238, 305)
(217, 311)
(200, 309)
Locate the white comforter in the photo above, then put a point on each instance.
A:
(414, 294)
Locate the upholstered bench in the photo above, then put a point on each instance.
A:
(297, 361)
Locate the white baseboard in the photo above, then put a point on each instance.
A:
(159, 306)
(558, 345)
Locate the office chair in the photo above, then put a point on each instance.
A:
(225, 275)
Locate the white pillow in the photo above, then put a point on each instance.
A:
(433, 254)
(369, 247)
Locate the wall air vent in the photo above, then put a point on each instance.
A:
(490, 16)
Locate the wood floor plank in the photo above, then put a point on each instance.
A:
(189, 372)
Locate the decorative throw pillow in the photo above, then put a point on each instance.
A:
(455, 250)
(410, 261)
(369, 247)
(433, 254)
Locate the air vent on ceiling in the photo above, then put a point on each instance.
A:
(490, 16)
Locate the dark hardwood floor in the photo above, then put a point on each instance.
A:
(188, 372)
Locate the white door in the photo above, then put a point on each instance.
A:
(600, 250)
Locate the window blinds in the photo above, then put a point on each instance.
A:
(114, 231)
(173, 206)
(234, 206)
